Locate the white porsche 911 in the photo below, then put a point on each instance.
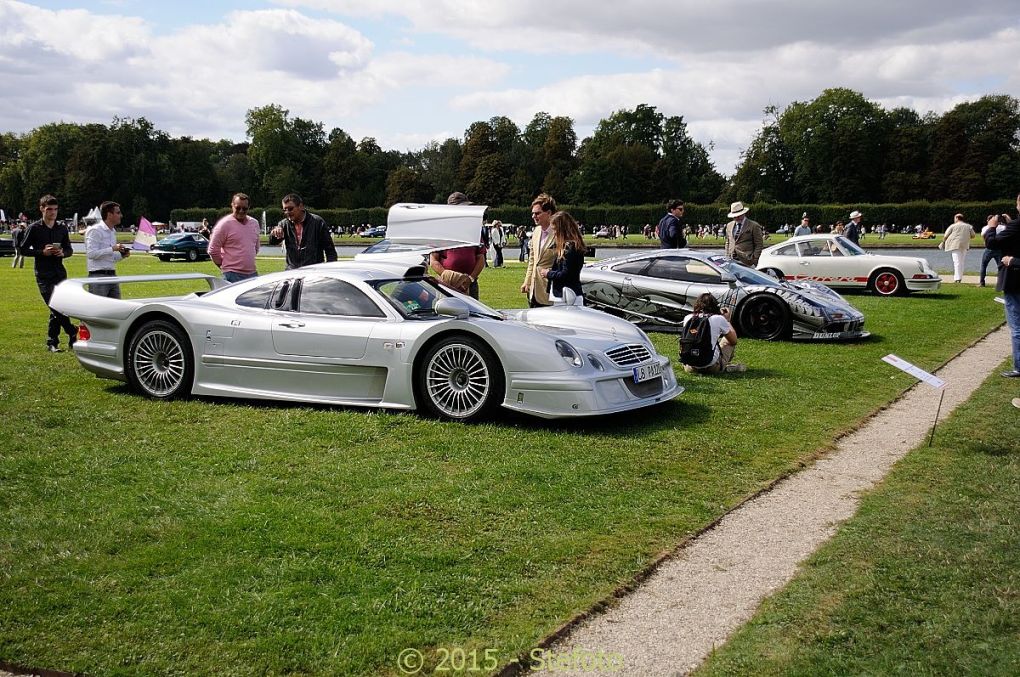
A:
(835, 261)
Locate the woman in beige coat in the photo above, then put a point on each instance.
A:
(957, 242)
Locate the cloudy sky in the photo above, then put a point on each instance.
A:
(410, 71)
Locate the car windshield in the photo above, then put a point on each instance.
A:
(744, 274)
(416, 297)
(848, 247)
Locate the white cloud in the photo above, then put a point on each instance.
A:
(677, 27)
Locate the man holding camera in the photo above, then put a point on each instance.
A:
(103, 251)
(48, 243)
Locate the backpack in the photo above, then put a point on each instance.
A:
(696, 346)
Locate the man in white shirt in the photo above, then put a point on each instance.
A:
(102, 251)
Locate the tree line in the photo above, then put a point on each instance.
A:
(838, 148)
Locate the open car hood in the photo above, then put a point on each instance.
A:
(435, 226)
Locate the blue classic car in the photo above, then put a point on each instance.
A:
(190, 246)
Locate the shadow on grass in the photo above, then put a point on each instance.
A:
(664, 416)
(987, 449)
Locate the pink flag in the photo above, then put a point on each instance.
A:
(145, 237)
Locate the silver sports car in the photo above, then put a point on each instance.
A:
(657, 289)
(373, 334)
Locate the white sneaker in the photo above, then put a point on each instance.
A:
(735, 367)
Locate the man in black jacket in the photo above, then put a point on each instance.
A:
(671, 227)
(1007, 243)
(49, 244)
(306, 236)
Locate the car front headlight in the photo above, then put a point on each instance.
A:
(569, 353)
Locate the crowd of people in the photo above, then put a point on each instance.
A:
(553, 249)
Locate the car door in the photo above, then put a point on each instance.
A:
(822, 261)
(666, 285)
(237, 348)
(322, 338)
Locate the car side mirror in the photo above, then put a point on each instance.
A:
(728, 278)
(569, 296)
(451, 307)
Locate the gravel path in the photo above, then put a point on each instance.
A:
(697, 598)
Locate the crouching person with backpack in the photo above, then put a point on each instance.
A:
(708, 340)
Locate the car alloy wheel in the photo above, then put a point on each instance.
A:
(193, 255)
(159, 361)
(887, 283)
(460, 379)
(764, 317)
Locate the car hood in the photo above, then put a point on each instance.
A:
(904, 261)
(456, 225)
(821, 295)
(578, 325)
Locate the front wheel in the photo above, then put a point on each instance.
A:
(459, 379)
(193, 255)
(887, 283)
(765, 318)
(159, 363)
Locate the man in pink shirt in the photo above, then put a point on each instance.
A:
(235, 241)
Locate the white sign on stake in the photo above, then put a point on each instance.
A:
(915, 371)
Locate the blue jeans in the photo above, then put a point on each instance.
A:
(986, 256)
(231, 276)
(109, 290)
(1013, 318)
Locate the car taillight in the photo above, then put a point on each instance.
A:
(83, 332)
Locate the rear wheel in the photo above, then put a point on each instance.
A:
(887, 283)
(193, 255)
(159, 363)
(764, 317)
(459, 379)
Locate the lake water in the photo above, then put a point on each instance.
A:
(939, 260)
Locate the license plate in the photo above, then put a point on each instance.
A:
(647, 371)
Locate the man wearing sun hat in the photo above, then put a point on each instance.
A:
(852, 231)
(744, 237)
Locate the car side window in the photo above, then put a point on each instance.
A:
(329, 296)
(632, 267)
(682, 269)
(788, 250)
(257, 297)
(811, 248)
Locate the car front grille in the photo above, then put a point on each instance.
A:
(629, 355)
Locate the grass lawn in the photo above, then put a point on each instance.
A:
(212, 536)
(923, 581)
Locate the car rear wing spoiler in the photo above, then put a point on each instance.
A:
(72, 298)
(213, 281)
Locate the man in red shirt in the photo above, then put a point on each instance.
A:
(467, 261)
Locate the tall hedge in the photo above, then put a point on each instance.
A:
(936, 215)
